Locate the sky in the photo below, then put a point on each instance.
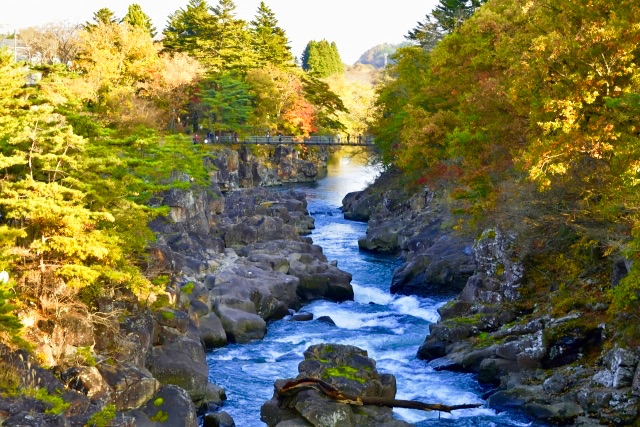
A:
(354, 25)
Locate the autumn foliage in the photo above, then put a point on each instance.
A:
(537, 93)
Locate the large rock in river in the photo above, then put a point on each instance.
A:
(350, 370)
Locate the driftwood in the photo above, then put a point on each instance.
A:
(293, 387)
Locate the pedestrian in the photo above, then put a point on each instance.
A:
(196, 138)
(279, 137)
(359, 139)
(235, 137)
(268, 137)
(338, 138)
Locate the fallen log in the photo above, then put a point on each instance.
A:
(293, 387)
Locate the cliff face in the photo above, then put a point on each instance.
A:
(233, 169)
(571, 368)
(236, 258)
(418, 226)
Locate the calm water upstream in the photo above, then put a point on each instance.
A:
(389, 327)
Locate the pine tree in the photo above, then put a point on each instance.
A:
(137, 18)
(269, 41)
(41, 156)
(103, 16)
(188, 29)
(228, 101)
(445, 18)
(322, 59)
(229, 48)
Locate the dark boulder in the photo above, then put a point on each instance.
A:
(345, 367)
(171, 406)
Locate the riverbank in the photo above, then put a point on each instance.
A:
(563, 369)
(232, 263)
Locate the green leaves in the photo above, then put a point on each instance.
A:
(269, 42)
(228, 101)
(321, 59)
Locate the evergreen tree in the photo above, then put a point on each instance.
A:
(104, 16)
(137, 18)
(228, 101)
(187, 30)
(229, 46)
(326, 103)
(54, 228)
(445, 18)
(269, 41)
(427, 34)
(322, 59)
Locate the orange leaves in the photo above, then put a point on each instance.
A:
(300, 117)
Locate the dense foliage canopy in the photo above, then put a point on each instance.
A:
(322, 59)
(543, 93)
(102, 126)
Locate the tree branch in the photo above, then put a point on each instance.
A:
(294, 387)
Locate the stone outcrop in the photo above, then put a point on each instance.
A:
(236, 259)
(413, 224)
(534, 365)
(233, 169)
(345, 367)
(554, 368)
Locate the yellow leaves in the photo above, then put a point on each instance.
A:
(632, 175)
(527, 6)
(9, 161)
(78, 276)
(590, 97)
(539, 44)
(558, 168)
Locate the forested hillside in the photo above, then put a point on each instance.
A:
(526, 116)
(102, 118)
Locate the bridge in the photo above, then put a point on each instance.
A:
(359, 141)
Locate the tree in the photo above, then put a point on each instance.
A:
(450, 14)
(279, 101)
(445, 18)
(174, 84)
(269, 41)
(51, 43)
(427, 34)
(118, 62)
(51, 227)
(187, 30)
(326, 103)
(358, 98)
(214, 36)
(229, 48)
(135, 17)
(103, 16)
(322, 59)
(228, 101)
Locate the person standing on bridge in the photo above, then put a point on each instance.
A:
(268, 137)
(235, 137)
(280, 137)
(338, 138)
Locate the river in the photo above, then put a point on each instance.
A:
(389, 327)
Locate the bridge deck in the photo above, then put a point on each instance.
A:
(275, 140)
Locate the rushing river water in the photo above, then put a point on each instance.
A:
(389, 327)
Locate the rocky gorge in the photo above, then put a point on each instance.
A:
(241, 258)
(236, 261)
(562, 370)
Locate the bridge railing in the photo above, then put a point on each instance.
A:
(288, 139)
